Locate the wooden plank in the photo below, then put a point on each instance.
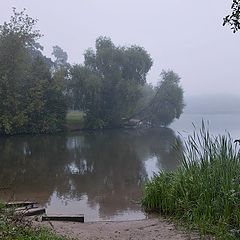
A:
(20, 204)
(19, 209)
(32, 212)
(64, 218)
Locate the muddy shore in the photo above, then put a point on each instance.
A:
(149, 229)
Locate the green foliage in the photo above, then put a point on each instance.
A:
(32, 101)
(60, 55)
(60, 71)
(21, 29)
(85, 87)
(204, 191)
(14, 228)
(110, 87)
(107, 87)
(75, 116)
(1, 206)
(147, 94)
(234, 18)
(167, 103)
(11, 232)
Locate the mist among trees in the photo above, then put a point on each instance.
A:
(110, 87)
(32, 101)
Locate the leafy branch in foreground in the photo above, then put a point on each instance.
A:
(233, 19)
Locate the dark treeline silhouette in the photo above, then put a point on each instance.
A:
(110, 87)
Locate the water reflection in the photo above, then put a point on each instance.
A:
(99, 174)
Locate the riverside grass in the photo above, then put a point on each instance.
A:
(204, 192)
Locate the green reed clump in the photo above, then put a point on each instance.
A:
(205, 191)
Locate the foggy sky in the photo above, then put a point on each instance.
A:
(184, 35)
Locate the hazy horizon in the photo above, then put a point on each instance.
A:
(212, 104)
(186, 36)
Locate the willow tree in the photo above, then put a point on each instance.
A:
(108, 85)
(167, 104)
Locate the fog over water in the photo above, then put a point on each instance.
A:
(184, 35)
(102, 173)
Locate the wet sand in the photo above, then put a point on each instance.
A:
(149, 229)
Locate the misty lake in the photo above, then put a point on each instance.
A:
(99, 174)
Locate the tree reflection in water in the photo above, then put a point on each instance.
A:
(107, 167)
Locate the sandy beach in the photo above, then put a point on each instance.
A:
(149, 229)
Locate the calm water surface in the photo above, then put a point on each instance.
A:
(216, 123)
(97, 173)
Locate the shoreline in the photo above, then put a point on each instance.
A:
(146, 229)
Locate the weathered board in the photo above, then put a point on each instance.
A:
(20, 204)
(65, 218)
(32, 212)
(20, 209)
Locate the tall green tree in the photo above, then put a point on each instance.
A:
(168, 102)
(46, 105)
(25, 80)
(121, 71)
(111, 88)
(61, 72)
(16, 37)
(86, 89)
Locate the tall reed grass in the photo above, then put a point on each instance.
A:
(204, 192)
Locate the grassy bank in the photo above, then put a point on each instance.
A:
(204, 193)
(15, 228)
(75, 120)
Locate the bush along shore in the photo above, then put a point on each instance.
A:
(15, 227)
(204, 193)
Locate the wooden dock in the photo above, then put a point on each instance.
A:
(29, 208)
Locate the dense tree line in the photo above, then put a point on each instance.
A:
(109, 87)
